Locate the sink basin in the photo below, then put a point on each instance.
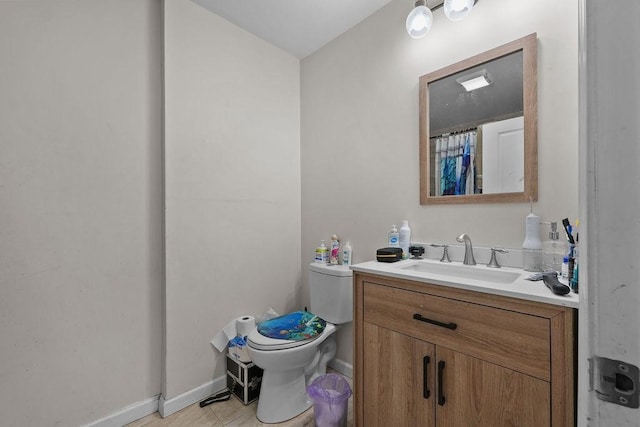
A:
(472, 272)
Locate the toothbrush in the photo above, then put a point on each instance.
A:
(567, 229)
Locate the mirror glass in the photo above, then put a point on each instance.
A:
(478, 120)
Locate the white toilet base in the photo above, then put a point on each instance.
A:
(283, 392)
(283, 395)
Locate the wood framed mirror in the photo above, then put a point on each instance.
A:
(480, 145)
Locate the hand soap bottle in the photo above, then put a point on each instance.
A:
(322, 253)
(394, 237)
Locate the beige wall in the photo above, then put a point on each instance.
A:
(232, 183)
(81, 307)
(80, 216)
(360, 128)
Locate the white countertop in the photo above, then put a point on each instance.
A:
(519, 288)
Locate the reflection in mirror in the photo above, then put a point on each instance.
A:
(478, 128)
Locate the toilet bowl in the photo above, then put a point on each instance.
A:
(290, 365)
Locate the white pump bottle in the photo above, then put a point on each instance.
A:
(405, 238)
(532, 245)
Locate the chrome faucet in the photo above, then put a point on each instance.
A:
(468, 249)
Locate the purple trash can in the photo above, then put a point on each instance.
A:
(330, 395)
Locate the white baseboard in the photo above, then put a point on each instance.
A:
(128, 414)
(341, 366)
(167, 407)
(160, 404)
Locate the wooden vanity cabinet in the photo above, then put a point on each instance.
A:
(429, 355)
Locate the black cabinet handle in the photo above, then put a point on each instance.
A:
(425, 382)
(441, 399)
(449, 325)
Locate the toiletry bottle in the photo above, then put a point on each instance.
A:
(334, 250)
(572, 262)
(394, 237)
(553, 250)
(346, 254)
(565, 267)
(322, 253)
(532, 245)
(574, 284)
(405, 238)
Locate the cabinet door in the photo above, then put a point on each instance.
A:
(398, 377)
(472, 392)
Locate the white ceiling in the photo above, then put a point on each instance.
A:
(296, 26)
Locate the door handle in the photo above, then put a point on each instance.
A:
(441, 398)
(425, 380)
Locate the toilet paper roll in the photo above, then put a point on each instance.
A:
(238, 326)
(244, 325)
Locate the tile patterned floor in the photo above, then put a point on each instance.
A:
(231, 413)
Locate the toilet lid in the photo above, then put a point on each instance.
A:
(259, 342)
(296, 326)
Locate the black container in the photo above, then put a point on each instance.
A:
(389, 254)
(244, 380)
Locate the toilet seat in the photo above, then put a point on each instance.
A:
(259, 342)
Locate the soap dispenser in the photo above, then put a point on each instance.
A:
(394, 237)
(322, 253)
(532, 245)
(553, 250)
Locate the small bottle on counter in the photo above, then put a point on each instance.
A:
(394, 237)
(576, 267)
(346, 254)
(322, 253)
(405, 238)
(334, 254)
(553, 251)
(565, 267)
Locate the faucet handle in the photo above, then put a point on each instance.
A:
(494, 262)
(445, 253)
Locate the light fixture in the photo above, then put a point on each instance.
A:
(475, 80)
(419, 20)
(455, 10)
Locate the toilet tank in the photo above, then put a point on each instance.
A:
(331, 292)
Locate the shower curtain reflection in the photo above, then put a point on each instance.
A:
(455, 170)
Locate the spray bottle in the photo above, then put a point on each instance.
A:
(334, 253)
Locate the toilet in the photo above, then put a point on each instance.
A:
(290, 365)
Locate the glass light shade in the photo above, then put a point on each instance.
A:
(419, 21)
(455, 10)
